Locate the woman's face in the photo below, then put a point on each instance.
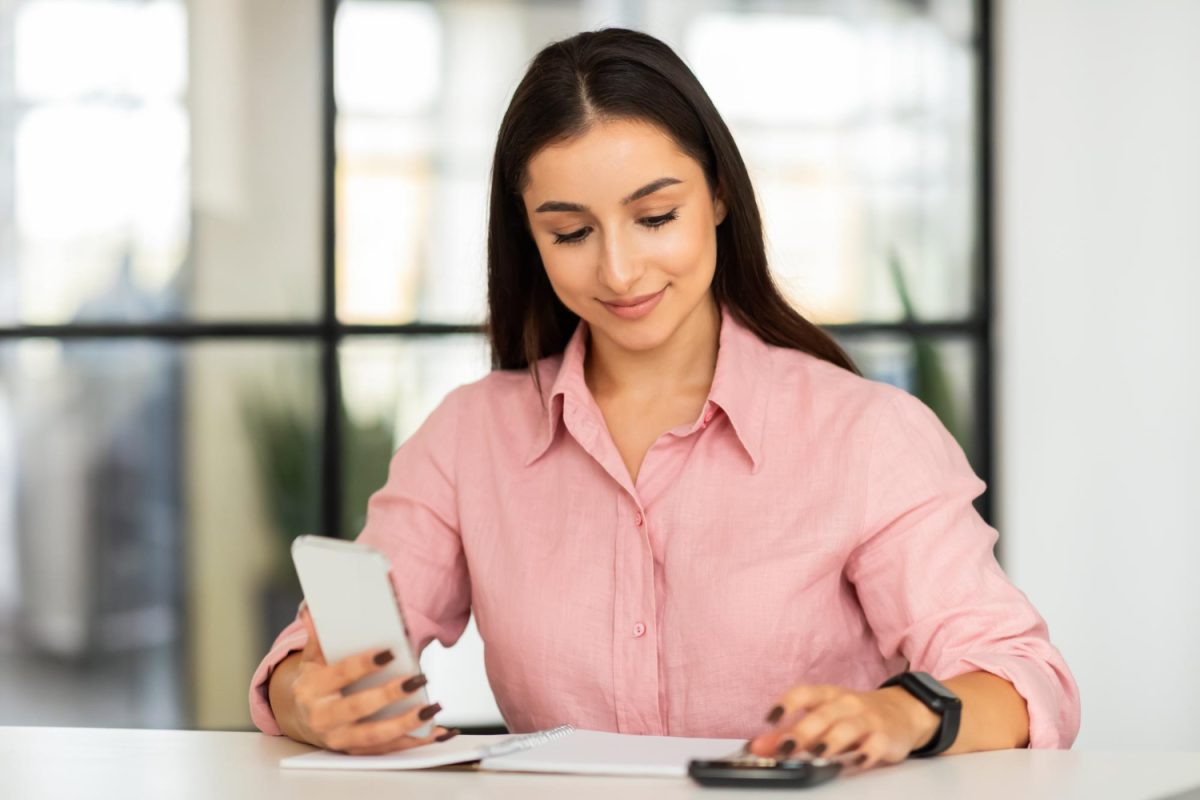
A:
(620, 215)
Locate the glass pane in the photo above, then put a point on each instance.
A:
(144, 178)
(939, 371)
(856, 120)
(390, 386)
(147, 493)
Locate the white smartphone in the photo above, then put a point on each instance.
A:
(349, 596)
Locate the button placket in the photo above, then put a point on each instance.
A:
(636, 653)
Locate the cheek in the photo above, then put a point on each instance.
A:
(567, 269)
(688, 251)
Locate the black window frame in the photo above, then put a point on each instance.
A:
(328, 331)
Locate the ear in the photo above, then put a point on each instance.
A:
(719, 209)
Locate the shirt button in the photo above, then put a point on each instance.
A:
(637, 519)
(639, 630)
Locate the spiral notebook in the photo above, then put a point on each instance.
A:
(565, 749)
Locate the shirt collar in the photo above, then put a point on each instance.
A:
(739, 388)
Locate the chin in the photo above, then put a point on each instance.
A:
(637, 335)
(638, 339)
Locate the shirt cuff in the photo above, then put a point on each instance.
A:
(290, 640)
(1052, 703)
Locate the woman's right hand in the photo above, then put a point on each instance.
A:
(323, 716)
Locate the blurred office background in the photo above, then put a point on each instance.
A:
(242, 257)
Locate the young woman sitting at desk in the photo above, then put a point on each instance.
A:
(675, 507)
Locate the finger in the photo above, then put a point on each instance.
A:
(874, 749)
(778, 743)
(804, 697)
(766, 744)
(334, 677)
(816, 723)
(854, 761)
(809, 697)
(335, 710)
(403, 743)
(370, 734)
(312, 649)
(842, 736)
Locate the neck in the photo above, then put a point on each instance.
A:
(684, 363)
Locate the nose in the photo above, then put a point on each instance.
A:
(619, 266)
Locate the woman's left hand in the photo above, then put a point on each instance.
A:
(861, 728)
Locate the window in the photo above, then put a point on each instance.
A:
(242, 258)
(860, 122)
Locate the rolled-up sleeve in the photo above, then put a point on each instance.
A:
(928, 581)
(414, 521)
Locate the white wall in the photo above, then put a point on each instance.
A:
(1098, 144)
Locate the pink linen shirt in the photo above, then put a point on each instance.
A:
(809, 526)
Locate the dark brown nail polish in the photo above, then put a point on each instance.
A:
(775, 715)
(414, 683)
(428, 711)
(862, 758)
(450, 734)
(383, 657)
(786, 747)
(817, 749)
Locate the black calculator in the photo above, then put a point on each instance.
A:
(747, 771)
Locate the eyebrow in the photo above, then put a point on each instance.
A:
(649, 188)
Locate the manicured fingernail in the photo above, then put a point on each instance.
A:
(450, 734)
(817, 749)
(414, 683)
(383, 657)
(860, 760)
(428, 711)
(775, 715)
(786, 747)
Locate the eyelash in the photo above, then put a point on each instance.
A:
(653, 223)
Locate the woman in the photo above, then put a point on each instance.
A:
(675, 507)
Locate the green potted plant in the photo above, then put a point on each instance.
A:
(931, 380)
(287, 448)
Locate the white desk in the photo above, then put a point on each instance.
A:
(56, 763)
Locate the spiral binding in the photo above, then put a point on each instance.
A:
(524, 741)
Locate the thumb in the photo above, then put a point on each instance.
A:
(312, 649)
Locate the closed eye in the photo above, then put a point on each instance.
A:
(653, 223)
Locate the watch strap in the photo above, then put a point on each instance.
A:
(938, 699)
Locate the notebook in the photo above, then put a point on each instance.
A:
(564, 749)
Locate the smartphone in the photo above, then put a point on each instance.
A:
(349, 595)
(749, 771)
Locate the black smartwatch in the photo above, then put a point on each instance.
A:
(938, 699)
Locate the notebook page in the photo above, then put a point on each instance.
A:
(459, 750)
(601, 753)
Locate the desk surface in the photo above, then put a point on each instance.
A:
(127, 764)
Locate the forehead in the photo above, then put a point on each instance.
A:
(606, 163)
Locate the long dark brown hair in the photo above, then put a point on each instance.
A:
(612, 74)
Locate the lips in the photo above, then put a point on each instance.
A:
(635, 307)
(633, 301)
